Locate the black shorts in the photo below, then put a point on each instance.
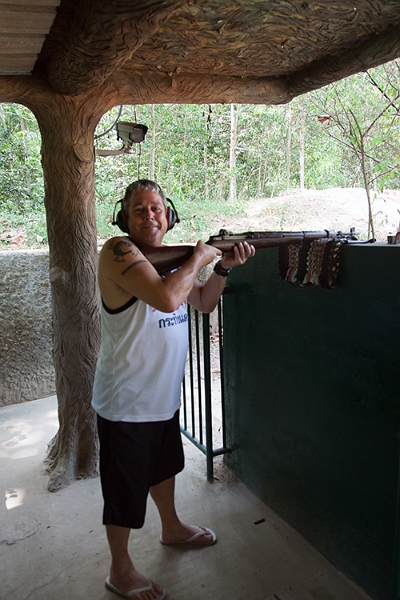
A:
(133, 457)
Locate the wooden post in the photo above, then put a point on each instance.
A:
(68, 165)
(67, 126)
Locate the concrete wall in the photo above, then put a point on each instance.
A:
(312, 378)
(26, 365)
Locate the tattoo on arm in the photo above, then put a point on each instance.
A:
(122, 248)
(138, 262)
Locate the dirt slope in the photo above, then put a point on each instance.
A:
(334, 209)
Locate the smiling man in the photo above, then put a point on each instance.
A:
(138, 379)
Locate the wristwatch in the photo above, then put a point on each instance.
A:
(219, 270)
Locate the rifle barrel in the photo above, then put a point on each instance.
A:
(226, 241)
(167, 258)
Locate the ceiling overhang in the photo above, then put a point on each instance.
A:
(190, 51)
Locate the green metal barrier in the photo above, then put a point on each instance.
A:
(198, 397)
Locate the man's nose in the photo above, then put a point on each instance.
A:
(148, 213)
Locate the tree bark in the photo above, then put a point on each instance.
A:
(366, 178)
(68, 165)
(289, 148)
(158, 88)
(101, 37)
(67, 127)
(152, 159)
(302, 140)
(207, 120)
(232, 154)
(365, 54)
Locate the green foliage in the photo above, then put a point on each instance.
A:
(364, 119)
(21, 176)
(187, 151)
(20, 165)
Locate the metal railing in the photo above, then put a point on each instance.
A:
(203, 398)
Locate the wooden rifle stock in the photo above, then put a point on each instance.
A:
(168, 258)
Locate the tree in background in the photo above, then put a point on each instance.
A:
(366, 120)
(232, 154)
(21, 175)
(204, 158)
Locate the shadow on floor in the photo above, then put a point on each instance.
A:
(53, 546)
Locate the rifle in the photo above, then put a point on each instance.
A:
(167, 258)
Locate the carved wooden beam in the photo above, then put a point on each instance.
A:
(101, 37)
(372, 52)
(15, 88)
(128, 88)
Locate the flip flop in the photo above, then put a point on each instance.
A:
(193, 540)
(128, 595)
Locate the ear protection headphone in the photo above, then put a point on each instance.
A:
(120, 218)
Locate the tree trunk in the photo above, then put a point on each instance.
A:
(232, 155)
(302, 140)
(207, 117)
(366, 178)
(152, 159)
(182, 169)
(28, 181)
(359, 145)
(260, 187)
(68, 164)
(289, 148)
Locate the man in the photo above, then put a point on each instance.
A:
(138, 379)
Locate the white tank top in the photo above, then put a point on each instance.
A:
(141, 363)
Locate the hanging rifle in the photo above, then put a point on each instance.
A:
(167, 258)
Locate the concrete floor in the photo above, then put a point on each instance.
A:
(53, 546)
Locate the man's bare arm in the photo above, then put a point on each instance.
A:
(205, 298)
(124, 272)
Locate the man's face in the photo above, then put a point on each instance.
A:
(147, 219)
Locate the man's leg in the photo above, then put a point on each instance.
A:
(173, 530)
(122, 572)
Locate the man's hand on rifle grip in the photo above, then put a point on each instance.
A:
(205, 253)
(242, 251)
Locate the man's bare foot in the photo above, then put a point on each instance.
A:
(124, 585)
(189, 534)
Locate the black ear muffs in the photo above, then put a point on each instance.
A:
(120, 218)
(172, 215)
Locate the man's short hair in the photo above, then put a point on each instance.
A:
(139, 186)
